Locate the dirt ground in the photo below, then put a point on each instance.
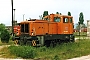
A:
(81, 58)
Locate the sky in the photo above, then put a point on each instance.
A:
(34, 8)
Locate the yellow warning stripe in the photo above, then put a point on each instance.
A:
(16, 42)
(33, 42)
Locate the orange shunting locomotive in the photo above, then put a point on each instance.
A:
(51, 29)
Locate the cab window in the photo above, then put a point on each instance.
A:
(65, 20)
(56, 19)
(70, 20)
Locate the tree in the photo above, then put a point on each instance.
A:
(5, 36)
(57, 12)
(84, 26)
(45, 13)
(81, 18)
(2, 27)
(69, 13)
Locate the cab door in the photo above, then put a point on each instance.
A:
(65, 28)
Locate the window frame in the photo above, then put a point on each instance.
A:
(58, 20)
(64, 20)
(71, 20)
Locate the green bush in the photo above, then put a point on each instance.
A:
(23, 51)
(5, 36)
(2, 27)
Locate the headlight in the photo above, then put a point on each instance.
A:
(32, 33)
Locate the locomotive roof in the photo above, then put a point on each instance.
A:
(34, 20)
(58, 15)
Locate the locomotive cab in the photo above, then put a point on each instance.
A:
(64, 26)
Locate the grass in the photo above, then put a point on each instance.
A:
(67, 50)
(10, 43)
(5, 53)
(23, 51)
(62, 51)
(81, 33)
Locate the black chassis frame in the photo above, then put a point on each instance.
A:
(46, 38)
